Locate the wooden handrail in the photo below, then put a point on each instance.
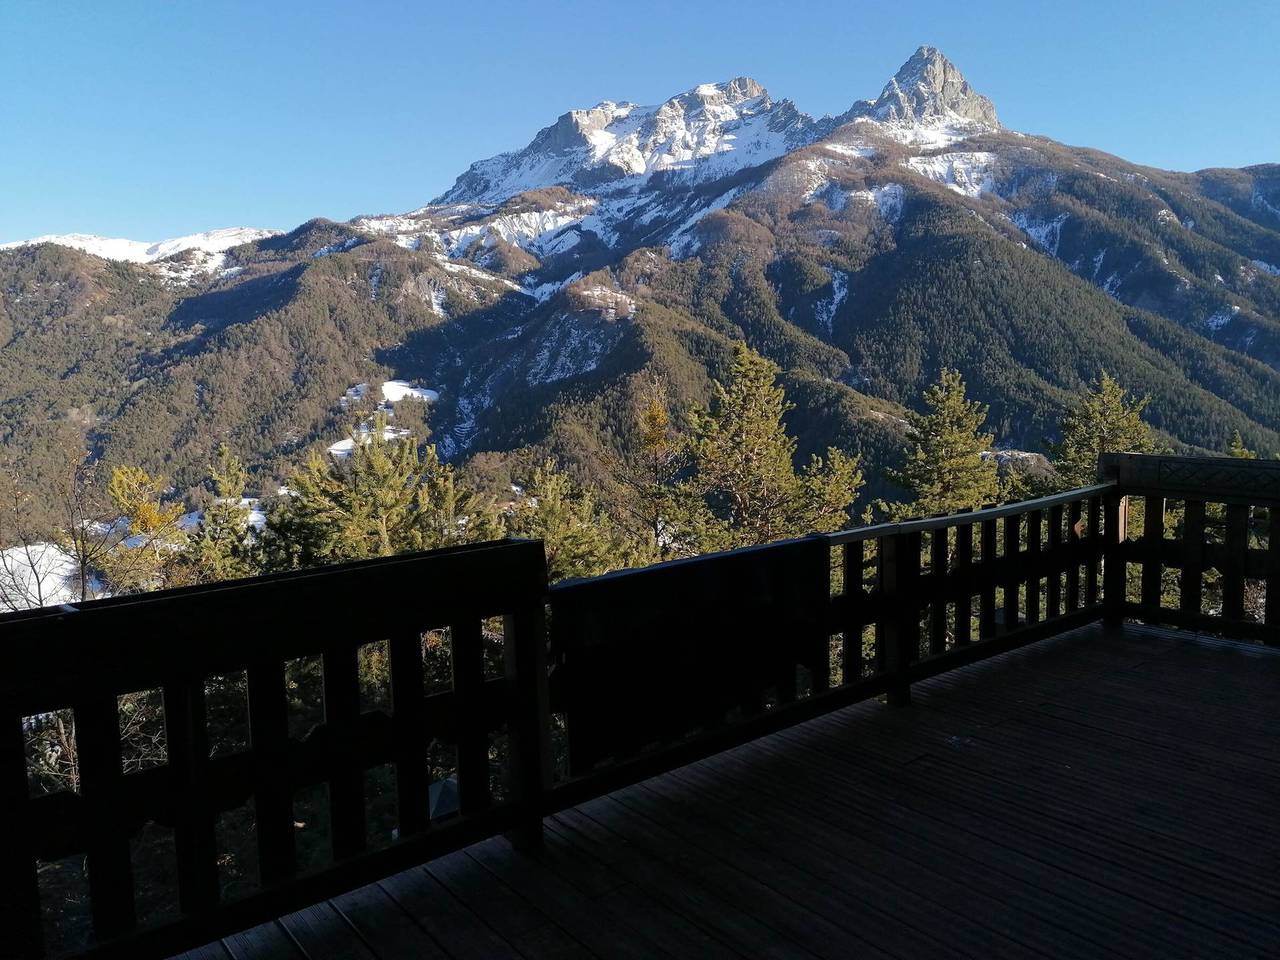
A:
(926, 524)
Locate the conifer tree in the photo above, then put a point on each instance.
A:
(1237, 449)
(381, 500)
(745, 488)
(945, 469)
(579, 538)
(222, 547)
(1105, 420)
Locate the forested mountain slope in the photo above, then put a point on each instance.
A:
(861, 253)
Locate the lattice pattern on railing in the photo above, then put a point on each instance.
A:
(78, 663)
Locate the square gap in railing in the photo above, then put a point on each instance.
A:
(52, 765)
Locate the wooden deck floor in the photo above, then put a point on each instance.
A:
(1091, 796)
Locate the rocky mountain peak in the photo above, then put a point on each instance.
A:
(929, 86)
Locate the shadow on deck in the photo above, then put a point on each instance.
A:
(1098, 794)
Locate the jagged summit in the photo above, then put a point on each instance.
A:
(714, 130)
(930, 87)
(706, 132)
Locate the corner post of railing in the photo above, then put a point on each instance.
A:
(529, 726)
(899, 588)
(1115, 525)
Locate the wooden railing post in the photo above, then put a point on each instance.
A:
(899, 583)
(1114, 527)
(20, 905)
(529, 726)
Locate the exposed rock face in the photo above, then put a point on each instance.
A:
(929, 87)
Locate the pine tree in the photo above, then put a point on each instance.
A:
(1237, 449)
(745, 488)
(579, 538)
(945, 469)
(448, 511)
(222, 547)
(1105, 420)
(382, 499)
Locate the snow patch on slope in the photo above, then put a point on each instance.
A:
(1221, 317)
(1046, 234)
(968, 174)
(825, 311)
(886, 199)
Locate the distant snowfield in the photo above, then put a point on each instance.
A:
(142, 251)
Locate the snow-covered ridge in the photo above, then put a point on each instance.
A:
(705, 133)
(142, 251)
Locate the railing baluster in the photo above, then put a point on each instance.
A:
(1074, 530)
(347, 830)
(1233, 565)
(195, 843)
(1053, 589)
(1114, 568)
(855, 557)
(1012, 575)
(97, 732)
(1034, 522)
(899, 579)
(1192, 580)
(990, 561)
(1094, 558)
(468, 692)
(20, 902)
(1153, 550)
(1272, 614)
(964, 575)
(273, 797)
(938, 561)
(529, 724)
(409, 733)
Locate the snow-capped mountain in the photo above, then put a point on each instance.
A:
(142, 251)
(705, 133)
(859, 252)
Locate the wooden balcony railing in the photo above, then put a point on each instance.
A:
(83, 660)
(640, 671)
(1200, 544)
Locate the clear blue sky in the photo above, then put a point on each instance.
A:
(150, 120)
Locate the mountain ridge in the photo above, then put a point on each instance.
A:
(861, 253)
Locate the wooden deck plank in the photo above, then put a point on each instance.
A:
(1103, 793)
(728, 914)
(1030, 890)
(267, 941)
(450, 924)
(503, 910)
(384, 926)
(322, 934)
